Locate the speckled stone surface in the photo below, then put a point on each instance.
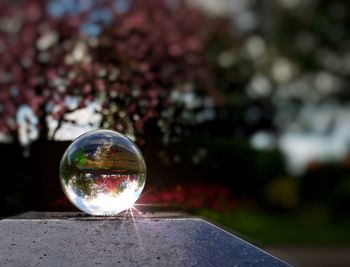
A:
(161, 239)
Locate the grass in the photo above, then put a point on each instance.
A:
(266, 228)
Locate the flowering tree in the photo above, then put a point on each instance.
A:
(33, 69)
(131, 63)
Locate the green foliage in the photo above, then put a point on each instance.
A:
(80, 158)
(282, 192)
(83, 185)
(270, 228)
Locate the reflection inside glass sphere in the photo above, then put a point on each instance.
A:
(102, 172)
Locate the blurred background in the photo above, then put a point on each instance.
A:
(240, 107)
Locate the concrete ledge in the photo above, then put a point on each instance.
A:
(149, 239)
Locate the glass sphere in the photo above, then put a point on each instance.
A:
(102, 172)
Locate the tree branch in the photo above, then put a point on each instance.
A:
(61, 120)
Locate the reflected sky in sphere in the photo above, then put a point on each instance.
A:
(102, 172)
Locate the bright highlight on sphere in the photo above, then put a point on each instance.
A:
(102, 172)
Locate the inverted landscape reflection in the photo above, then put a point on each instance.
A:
(102, 173)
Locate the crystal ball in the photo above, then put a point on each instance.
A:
(102, 172)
